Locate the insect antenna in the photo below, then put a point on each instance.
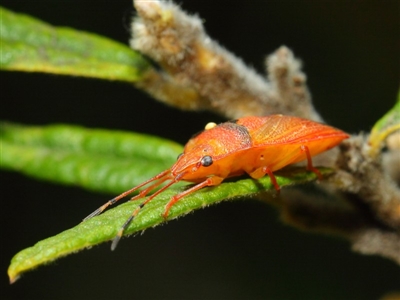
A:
(136, 211)
(126, 193)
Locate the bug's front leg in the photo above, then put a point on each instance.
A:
(210, 181)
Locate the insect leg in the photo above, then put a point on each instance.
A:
(273, 178)
(124, 194)
(260, 172)
(136, 211)
(310, 166)
(215, 180)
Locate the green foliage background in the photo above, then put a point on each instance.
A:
(233, 250)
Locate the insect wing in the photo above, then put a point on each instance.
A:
(280, 130)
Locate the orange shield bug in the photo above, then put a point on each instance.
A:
(253, 145)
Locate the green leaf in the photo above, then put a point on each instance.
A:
(30, 45)
(104, 227)
(388, 124)
(101, 160)
(109, 161)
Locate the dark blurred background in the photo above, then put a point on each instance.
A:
(237, 250)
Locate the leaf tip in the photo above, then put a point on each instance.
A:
(13, 276)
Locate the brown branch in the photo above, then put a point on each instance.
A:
(225, 85)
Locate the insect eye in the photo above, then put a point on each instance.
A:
(206, 161)
(179, 156)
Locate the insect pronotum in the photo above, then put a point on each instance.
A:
(253, 145)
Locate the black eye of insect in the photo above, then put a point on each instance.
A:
(206, 161)
(179, 156)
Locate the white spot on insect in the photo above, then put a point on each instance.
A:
(210, 125)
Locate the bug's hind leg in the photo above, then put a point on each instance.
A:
(310, 166)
